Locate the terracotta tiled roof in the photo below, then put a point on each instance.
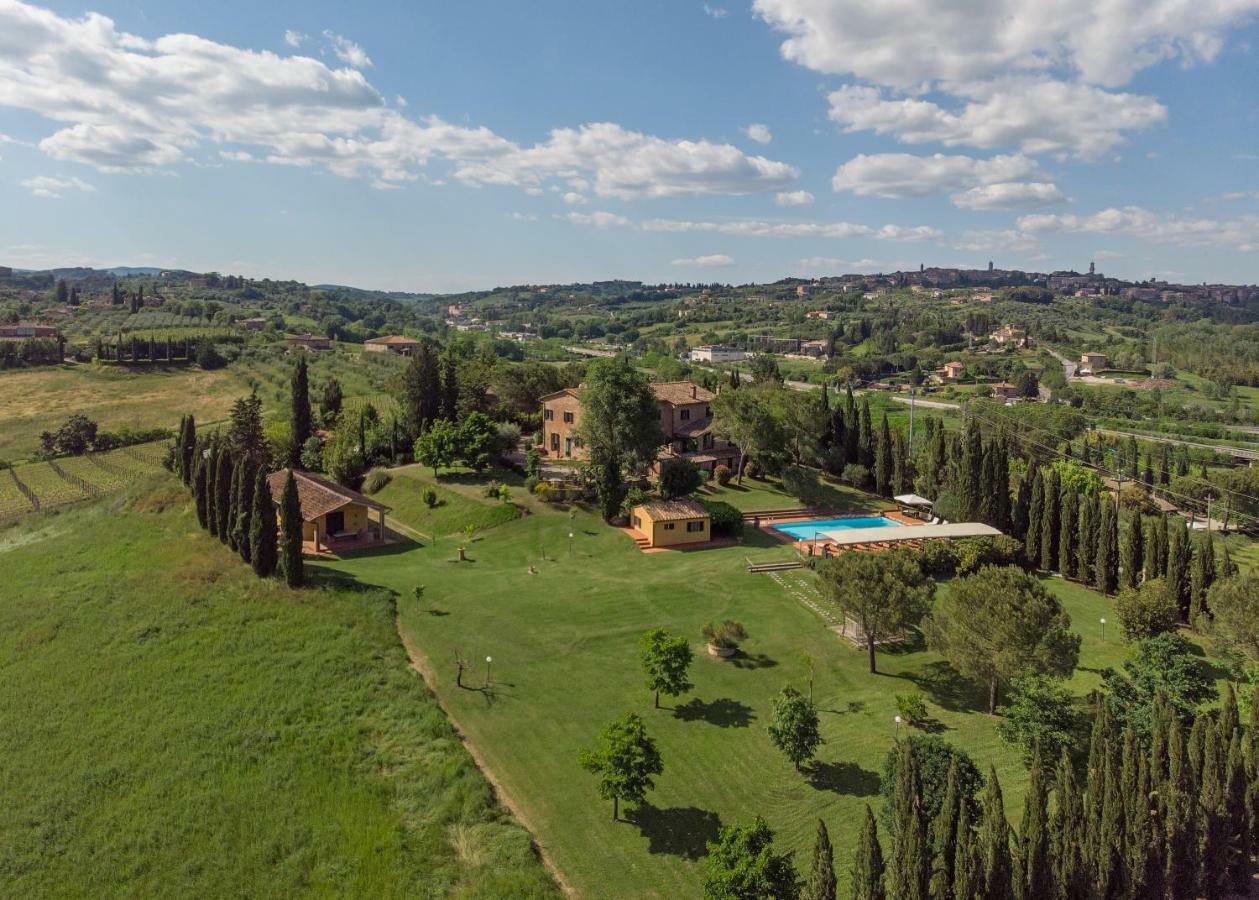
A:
(562, 392)
(666, 510)
(392, 339)
(316, 495)
(681, 392)
(694, 428)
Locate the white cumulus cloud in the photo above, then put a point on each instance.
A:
(712, 261)
(294, 38)
(758, 132)
(347, 51)
(996, 183)
(54, 188)
(1135, 221)
(715, 12)
(793, 198)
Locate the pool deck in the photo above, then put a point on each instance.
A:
(816, 547)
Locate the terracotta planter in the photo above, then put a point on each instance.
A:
(722, 652)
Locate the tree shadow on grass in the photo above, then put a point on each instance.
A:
(948, 689)
(724, 713)
(678, 831)
(743, 660)
(852, 706)
(846, 778)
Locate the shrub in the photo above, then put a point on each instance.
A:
(635, 496)
(912, 707)
(726, 520)
(375, 480)
(725, 635)
(751, 469)
(856, 475)
(975, 553)
(530, 483)
(1147, 610)
(312, 453)
(678, 478)
(543, 491)
(938, 559)
(508, 436)
(504, 493)
(429, 496)
(723, 475)
(491, 490)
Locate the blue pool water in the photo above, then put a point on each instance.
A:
(805, 531)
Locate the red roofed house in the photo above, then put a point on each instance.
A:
(333, 517)
(394, 343)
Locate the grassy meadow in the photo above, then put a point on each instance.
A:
(175, 727)
(565, 662)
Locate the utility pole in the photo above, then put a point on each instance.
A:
(911, 418)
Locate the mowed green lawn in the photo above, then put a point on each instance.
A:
(174, 727)
(565, 662)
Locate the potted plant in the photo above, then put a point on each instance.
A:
(723, 639)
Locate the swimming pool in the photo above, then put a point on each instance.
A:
(806, 531)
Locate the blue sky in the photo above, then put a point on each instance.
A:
(447, 146)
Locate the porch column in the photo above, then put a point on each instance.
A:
(382, 526)
(315, 524)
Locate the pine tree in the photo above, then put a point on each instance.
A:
(300, 427)
(199, 493)
(1035, 509)
(994, 843)
(867, 870)
(1035, 875)
(821, 882)
(291, 534)
(1133, 561)
(1069, 534)
(1050, 511)
(262, 528)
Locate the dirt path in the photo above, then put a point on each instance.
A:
(420, 664)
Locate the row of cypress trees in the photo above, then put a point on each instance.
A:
(234, 503)
(852, 438)
(1169, 812)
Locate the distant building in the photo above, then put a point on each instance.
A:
(255, 324)
(715, 353)
(1092, 362)
(394, 343)
(824, 314)
(813, 348)
(952, 371)
(804, 290)
(1011, 335)
(308, 342)
(22, 331)
(1003, 390)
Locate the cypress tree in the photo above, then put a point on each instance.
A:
(1050, 511)
(902, 466)
(233, 506)
(1035, 508)
(1178, 556)
(1106, 562)
(245, 483)
(1144, 851)
(852, 429)
(910, 857)
(944, 836)
(865, 435)
(199, 493)
(994, 843)
(821, 881)
(1251, 756)
(915, 877)
(1035, 876)
(211, 491)
(262, 529)
(190, 448)
(1001, 486)
(1111, 846)
(450, 389)
(971, 473)
(1067, 837)
(1069, 534)
(968, 873)
(1238, 866)
(1022, 502)
(291, 533)
(867, 869)
(883, 459)
(1180, 869)
(1133, 560)
(180, 437)
(223, 495)
(1195, 751)
(1086, 550)
(1161, 547)
(1213, 839)
(300, 428)
(1203, 575)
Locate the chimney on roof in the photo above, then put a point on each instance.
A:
(694, 392)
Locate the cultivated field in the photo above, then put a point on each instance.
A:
(46, 485)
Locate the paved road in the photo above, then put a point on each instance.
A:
(928, 404)
(1068, 367)
(1236, 452)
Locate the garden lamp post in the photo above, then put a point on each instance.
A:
(898, 726)
(570, 544)
(1103, 630)
(488, 660)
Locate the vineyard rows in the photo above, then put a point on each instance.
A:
(46, 485)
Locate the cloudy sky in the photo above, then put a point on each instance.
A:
(444, 146)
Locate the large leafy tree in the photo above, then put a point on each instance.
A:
(883, 593)
(743, 865)
(1234, 605)
(1001, 623)
(793, 726)
(620, 426)
(666, 660)
(438, 446)
(1166, 664)
(744, 417)
(625, 762)
(1040, 712)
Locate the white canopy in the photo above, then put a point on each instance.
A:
(842, 536)
(911, 500)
